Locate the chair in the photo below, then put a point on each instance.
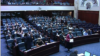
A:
(76, 29)
(18, 39)
(65, 30)
(33, 45)
(10, 44)
(21, 46)
(84, 21)
(79, 33)
(74, 34)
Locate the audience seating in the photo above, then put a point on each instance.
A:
(46, 28)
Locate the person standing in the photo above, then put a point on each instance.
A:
(69, 44)
(28, 41)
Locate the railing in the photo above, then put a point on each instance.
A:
(37, 3)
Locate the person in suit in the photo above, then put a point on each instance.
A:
(53, 18)
(62, 39)
(90, 31)
(15, 43)
(46, 39)
(69, 45)
(28, 41)
(74, 53)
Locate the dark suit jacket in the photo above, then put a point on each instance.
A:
(61, 37)
(45, 39)
(28, 42)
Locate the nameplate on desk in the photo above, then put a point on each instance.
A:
(50, 43)
(28, 50)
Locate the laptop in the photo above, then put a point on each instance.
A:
(87, 53)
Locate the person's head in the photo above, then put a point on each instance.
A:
(15, 40)
(45, 36)
(63, 33)
(9, 35)
(69, 32)
(57, 31)
(89, 29)
(39, 39)
(39, 32)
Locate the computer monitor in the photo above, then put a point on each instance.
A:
(87, 53)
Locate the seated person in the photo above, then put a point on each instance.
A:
(9, 3)
(16, 34)
(32, 30)
(38, 24)
(39, 42)
(89, 31)
(9, 36)
(45, 39)
(23, 28)
(70, 28)
(8, 30)
(40, 35)
(16, 24)
(13, 3)
(6, 24)
(22, 34)
(15, 43)
(85, 33)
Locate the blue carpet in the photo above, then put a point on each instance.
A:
(93, 48)
(4, 50)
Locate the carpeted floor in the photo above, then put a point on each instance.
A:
(93, 48)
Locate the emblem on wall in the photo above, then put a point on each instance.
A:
(89, 2)
(88, 5)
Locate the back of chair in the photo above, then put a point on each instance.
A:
(18, 39)
(10, 42)
(79, 33)
(21, 46)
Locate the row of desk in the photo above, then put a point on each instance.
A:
(84, 39)
(43, 50)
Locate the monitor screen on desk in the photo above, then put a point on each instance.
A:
(87, 53)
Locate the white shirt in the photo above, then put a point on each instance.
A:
(70, 28)
(38, 24)
(23, 35)
(40, 36)
(85, 33)
(6, 24)
(23, 28)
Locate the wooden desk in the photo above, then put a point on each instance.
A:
(42, 50)
(84, 40)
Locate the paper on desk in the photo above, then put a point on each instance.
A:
(71, 40)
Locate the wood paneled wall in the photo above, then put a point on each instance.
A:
(44, 13)
(89, 16)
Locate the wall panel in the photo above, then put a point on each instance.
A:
(89, 16)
